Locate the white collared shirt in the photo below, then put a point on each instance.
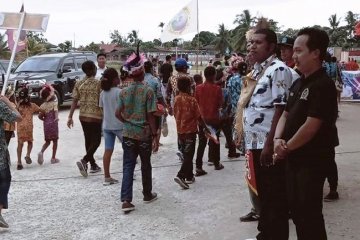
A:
(271, 89)
(100, 72)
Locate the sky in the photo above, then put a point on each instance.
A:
(87, 21)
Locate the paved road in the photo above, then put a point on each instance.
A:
(55, 202)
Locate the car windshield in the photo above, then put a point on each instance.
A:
(39, 64)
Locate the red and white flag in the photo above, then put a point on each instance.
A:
(12, 35)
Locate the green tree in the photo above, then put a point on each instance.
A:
(157, 42)
(34, 47)
(238, 35)
(65, 46)
(4, 50)
(161, 25)
(92, 47)
(222, 40)
(118, 39)
(205, 38)
(133, 37)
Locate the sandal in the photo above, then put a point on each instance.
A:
(28, 160)
(19, 167)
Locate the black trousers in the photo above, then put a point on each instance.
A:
(274, 216)
(187, 148)
(332, 176)
(214, 149)
(92, 134)
(305, 181)
(8, 136)
(227, 129)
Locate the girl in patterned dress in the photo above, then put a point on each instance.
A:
(49, 114)
(25, 127)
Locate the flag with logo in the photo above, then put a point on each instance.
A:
(184, 22)
(12, 35)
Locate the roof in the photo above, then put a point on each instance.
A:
(354, 53)
(107, 48)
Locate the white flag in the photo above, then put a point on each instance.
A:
(182, 23)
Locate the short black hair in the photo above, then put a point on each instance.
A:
(318, 39)
(198, 78)
(101, 55)
(109, 76)
(209, 71)
(333, 59)
(89, 68)
(270, 35)
(168, 57)
(148, 66)
(184, 84)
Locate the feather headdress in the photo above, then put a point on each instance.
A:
(135, 62)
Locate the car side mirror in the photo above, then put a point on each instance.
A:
(66, 69)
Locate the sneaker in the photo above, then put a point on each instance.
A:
(19, 167)
(127, 207)
(54, 160)
(151, 198)
(190, 181)
(110, 181)
(28, 160)
(219, 167)
(82, 168)
(181, 182)
(250, 217)
(180, 155)
(95, 168)
(233, 155)
(331, 197)
(210, 163)
(3, 223)
(200, 172)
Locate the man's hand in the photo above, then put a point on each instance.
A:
(266, 157)
(70, 123)
(280, 148)
(155, 144)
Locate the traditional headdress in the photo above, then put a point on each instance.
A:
(135, 62)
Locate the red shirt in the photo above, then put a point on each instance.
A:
(210, 99)
(186, 113)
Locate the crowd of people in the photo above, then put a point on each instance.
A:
(276, 104)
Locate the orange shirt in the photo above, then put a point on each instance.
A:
(186, 113)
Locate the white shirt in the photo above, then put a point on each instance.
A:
(271, 89)
(100, 72)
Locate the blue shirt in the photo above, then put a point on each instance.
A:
(154, 83)
(234, 87)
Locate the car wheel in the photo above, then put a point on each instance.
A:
(58, 97)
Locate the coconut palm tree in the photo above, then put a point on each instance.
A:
(245, 21)
(161, 25)
(133, 37)
(222, 40)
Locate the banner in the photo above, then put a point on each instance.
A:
(357, 30)
(250, 172)
(12, 34)
(186, 21)
(351, 88)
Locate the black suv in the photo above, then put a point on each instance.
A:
(4, 64)
(61, 70)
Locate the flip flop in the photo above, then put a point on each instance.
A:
(28, 160)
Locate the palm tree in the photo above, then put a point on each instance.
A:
(351, 20)
(34, 47)
(222, 40)
(4, 50)
(245, 22)
(133, 37)
(161, 25)
(334, 22)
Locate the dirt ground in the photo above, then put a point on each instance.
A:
(55, 202)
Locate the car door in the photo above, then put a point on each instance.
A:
(69, 76)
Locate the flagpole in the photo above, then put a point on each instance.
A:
(13, 53)
(198, 38)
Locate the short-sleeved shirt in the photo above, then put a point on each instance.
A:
(210, 99)
(271, 89)
(25, 127)
(166, 71)
(87, 91)
(186, 113)
(99, 72)
(135, 102)
(6, 114)
(234, 88)
(172, 89)
(154, 83)
(109, 102)
(314, 96)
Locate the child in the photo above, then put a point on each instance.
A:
(25, 127)
(198, 79)
(49, 114)
(187, 116)
(112, 127)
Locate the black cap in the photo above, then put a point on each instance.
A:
(287, 41)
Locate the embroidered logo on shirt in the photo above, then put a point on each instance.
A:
(305, 94)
